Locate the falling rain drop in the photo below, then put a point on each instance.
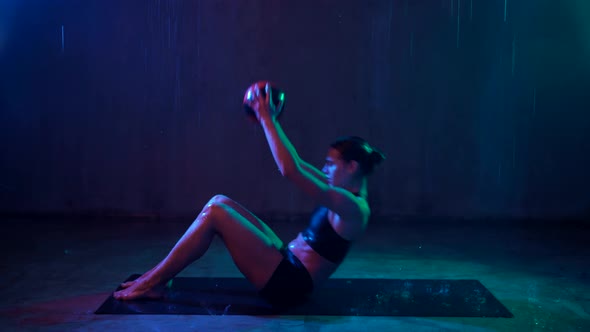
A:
(534, 101)
(62, 39)
(513, 54)
(411, 44)
(458, 21)
(389, 23)
(168, 28)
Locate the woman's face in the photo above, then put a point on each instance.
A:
(337, 170)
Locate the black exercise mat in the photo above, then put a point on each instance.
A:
(336, 297)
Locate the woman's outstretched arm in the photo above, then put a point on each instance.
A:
(291, 166)
(312, 170)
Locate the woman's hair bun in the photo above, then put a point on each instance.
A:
(376, 157)
(357, 149)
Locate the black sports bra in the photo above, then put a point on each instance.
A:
(321, 237)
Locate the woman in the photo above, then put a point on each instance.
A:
(282, 274)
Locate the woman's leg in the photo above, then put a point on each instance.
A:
(251, 217)
(251, 243)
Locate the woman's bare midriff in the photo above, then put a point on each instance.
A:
(319, 268)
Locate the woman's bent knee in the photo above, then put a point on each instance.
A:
(216, 207)
(219, 199)
(217, 211)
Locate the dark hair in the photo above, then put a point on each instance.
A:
(359, 150)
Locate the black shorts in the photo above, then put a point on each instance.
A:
(290, 284)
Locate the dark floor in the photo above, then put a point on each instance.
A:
(56, 273)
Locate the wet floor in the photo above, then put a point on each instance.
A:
(56, 272)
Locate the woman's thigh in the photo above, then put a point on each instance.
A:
(251, 217)
(255, 253)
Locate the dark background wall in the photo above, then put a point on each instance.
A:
(134, 107)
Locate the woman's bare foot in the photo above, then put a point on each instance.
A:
(141, 278)
(140, 289)
(127, 284)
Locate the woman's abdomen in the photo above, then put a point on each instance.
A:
(318, 267)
